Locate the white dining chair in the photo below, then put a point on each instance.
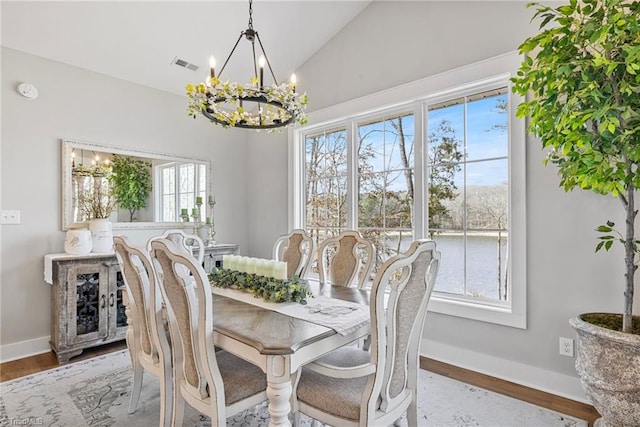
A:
(297, 249)
(346, 259)
(189, 242)
(354, 387)
(146, 337)
(215, 383)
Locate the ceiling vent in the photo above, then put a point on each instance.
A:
(184, 64)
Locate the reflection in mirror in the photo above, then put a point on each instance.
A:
(134, 189)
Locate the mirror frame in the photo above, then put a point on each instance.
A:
(68, 145)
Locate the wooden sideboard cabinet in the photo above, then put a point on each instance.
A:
(89, 298)
(87, 304)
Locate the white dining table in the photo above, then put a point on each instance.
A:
(279, 343)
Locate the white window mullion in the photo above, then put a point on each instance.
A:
(352, 173)
(420, 174)
(297, 174)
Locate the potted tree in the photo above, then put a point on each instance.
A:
(582, 76)
(131, 183)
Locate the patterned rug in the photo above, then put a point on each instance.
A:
(95, 392)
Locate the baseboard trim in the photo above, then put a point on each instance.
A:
(519, 373)
(543, 399)
(22, 349)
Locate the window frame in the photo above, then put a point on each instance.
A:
(159, 185)
(474, 78)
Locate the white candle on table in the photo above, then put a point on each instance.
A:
(251, 265)
(260, 267)
(238, 263)
(225, 261)
(243, 264)
(232, 263)
(268, 270)
(281, 270)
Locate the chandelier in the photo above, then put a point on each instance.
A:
(253, 105)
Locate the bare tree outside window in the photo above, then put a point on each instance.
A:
(466, 161)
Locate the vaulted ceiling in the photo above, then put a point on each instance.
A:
(139, 41)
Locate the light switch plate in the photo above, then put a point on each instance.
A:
(9, 217)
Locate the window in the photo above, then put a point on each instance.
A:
(326, 183)
(385, 184)
(178, 185)
(467, 158)
(448, 165)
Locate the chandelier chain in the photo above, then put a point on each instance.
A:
(250, 14)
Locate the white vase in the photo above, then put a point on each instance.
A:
(78, 241)
(102, 235)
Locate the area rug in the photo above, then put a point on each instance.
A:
(95, 392)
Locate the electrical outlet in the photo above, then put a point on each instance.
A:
(9, 217)
(566, 347)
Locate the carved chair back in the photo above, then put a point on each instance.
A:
(346, 259)
(297, 249)
(399, 297)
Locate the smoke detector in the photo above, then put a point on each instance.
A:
(28, 90)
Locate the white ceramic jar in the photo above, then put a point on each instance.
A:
(102, 235)
(78, 241)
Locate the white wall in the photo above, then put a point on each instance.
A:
(391, 43)
(82, 105)
(268, 193)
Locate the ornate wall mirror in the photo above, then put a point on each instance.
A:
(134, 189)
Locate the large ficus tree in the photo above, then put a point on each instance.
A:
(582, 75)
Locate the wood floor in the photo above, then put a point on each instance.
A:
(42, 362)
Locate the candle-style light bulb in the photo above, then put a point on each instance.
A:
(212, 65)
(293, 81)
(261, 63)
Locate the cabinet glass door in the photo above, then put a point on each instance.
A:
(118, 320)
(87, 310)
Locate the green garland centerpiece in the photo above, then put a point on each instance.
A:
(269, 289)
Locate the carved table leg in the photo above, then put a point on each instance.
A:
(279, 390)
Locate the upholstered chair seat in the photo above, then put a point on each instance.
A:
(344, 401)
(241, 378)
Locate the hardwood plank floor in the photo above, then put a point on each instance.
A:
(42, 362)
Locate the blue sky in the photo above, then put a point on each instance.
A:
(485, 140)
